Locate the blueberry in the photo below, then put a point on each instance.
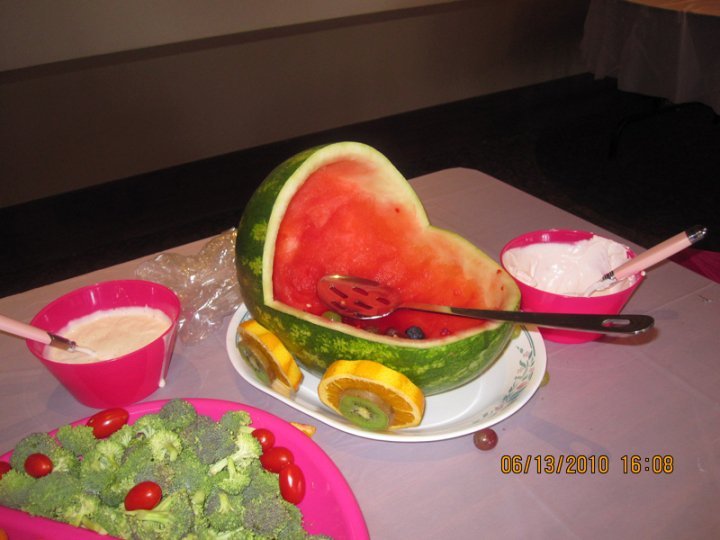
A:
(415, 332)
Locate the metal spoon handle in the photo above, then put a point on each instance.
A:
(602, 324)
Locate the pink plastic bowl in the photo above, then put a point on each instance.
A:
(534, 299)
(123, 380)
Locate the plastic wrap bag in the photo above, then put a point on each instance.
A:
(206, 284)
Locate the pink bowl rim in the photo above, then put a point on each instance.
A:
(580, 232)
(114, 282)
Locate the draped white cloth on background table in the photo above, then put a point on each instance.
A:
(662, 48)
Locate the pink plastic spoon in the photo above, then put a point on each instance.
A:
(33, 333)
(648, 258)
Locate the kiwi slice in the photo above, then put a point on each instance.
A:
(257, 363)
(265, 372)
(365, 409)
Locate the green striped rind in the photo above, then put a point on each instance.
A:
(434, 365)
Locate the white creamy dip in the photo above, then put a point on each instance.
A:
(567, 268)
(110, 333)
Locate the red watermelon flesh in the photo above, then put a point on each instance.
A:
(342, 221)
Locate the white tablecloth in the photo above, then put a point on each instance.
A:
(650, 395)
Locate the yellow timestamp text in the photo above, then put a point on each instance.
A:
(584, 464)
(657, 464)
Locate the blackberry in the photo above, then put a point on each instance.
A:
(415, 332)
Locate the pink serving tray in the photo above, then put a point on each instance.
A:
(329, 506)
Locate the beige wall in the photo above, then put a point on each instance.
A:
(35, 32)
(77, 123)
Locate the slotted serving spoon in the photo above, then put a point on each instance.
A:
(361, 298)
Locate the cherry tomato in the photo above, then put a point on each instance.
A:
(107, 422)
(37, 465)
(4, 467)
(292, 483)
(275, 458)
(485, 439)
(265, 437)
(144, 496)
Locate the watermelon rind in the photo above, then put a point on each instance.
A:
(435, 365)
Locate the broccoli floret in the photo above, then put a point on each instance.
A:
(224, 511)
(114, 521)
(162, 473)
(79, 511)
(114, 493)
(165, 445)
(212, 534)
(197, 501)
(15, 488)
(178, 414)
(77, 439)
(107, 454)
(247, 448)
(232, 480)
(273, 517)
(236, 421)
(41, 443)
(35, 443)
(147, 425)
(266, 513)
(99, 467)
(51, 493)
(171, 519)
(123, 436)
(138, 451)
(139, 464)
(193, 478)
(262, 483)
(64, 460)
(191, 475)
(208, 440)
(139, 467)
(135, 467)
